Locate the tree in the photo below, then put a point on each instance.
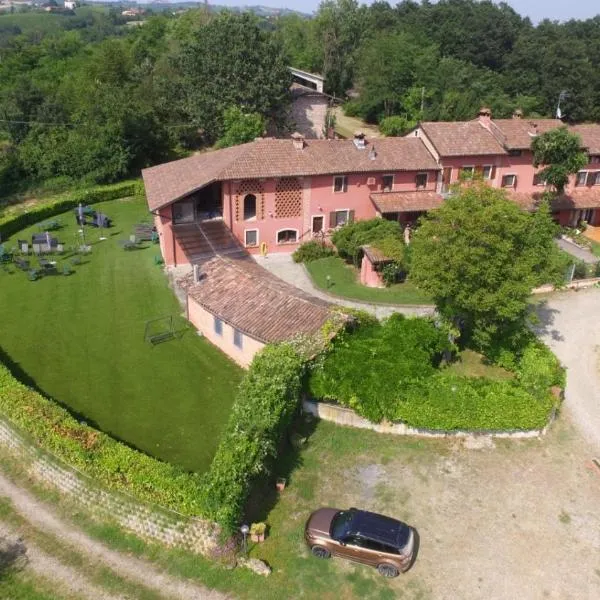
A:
(560, 153)
(240, 127)
(479, 256)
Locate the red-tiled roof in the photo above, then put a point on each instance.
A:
(270, 157)
(576, 200)
(462, 138)
(249, 298)
(376, 256)
(391, 202)
(590, 136)
(516, 134)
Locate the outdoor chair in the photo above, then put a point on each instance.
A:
(66, 269)
(60, 248)
(34, 275)
(133, 239)
(22, 264)
(154, 238)
(76, 261)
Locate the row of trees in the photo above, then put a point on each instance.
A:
(71, 107)
(442, 61)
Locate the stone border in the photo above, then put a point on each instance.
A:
(347, 417)
(577, 284)
(153, 523)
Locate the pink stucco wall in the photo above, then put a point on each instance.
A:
(203, 321)
(368, 275)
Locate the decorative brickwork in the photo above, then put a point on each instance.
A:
(153, 523)
(288, 198)
(249, 186)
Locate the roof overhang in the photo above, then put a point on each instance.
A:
(406, 202)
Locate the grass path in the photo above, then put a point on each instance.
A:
(348, 126)
(129, 568)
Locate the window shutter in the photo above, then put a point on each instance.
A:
(350, 216)
(345, 183)
(493, 172)
(332, 220)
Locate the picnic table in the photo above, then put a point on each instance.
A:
(42, 238)
(48, 266)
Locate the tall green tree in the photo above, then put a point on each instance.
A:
(560, 153)
(240, 127)
(479, 256)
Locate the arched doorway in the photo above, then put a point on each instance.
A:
(249, 207)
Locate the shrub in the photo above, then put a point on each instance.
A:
(266, 402)
(369, 369)
(349, 238)
(96, 454)
(10, 225)
(352, 108)
(396, 125)
(597, 269)
(580, 271)
(539, 370)
(310, 251)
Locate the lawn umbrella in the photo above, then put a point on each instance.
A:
(48, 240)
(81, 214)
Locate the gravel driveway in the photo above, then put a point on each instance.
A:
(570, 324)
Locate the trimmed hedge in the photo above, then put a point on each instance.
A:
(312, 250)
(11, 224)
(267, 400)
(388, 372)
(96, 454)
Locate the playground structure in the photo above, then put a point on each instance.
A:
(161, 329)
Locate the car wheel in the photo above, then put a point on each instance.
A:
(388, 570)
(320, 552)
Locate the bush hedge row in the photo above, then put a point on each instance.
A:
(267, 400)
(388, 372)
(109, 462)
(11, 224)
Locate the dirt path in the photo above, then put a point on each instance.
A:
(50, 569)
(127, 567)
(570, 325)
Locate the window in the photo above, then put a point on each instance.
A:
(538, 180)
(515, 152)
(340, 184)
(509, 181)
(594, 160)
(488, 172)
(387, 183)
(251, 237)
(421, 181)
(238, 338)
(287, 236)
(249, 207)
(218, 326)
(337, 218)
(581, 178)
(318, 224)
(467, 172)
(594, 178)
(183, 212)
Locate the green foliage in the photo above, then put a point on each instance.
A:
(267, 400)
(370, 369)
(109, 462)
(580, 271)
(560, 153)
(479, 256)
(13, 223)
(349, 238)
(597, 269)
(539, 369)
(312, 250)
(240, 127)
(396, 126)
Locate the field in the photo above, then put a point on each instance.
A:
(343, 282)
(80, 340)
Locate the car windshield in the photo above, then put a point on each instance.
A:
(340, 525)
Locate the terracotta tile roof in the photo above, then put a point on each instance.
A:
(375, 255)
(270, 157)
(576, 200)
(590, 136)
(462, 138)
(249, 298)
(390, 202)
(516, 134)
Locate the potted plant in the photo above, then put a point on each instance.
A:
(280, 485)
(257, 532)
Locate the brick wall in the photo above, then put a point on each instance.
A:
(152, 523)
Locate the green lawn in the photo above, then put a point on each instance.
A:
(81, 341)
(472, 364)
(344, 283)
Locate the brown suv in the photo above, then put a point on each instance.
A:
(361, 536)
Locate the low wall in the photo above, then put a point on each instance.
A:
(576, 284)
(152, 523)
(346, 416)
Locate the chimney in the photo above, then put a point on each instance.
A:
(372, 153)
(198, 274)
(485, 116)
(359, 140)
(518, 114)
(298, 140)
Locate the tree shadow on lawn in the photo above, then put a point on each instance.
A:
(545, 319)
(264, 494)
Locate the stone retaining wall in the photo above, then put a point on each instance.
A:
(346, 416)
(576, 284)
(152, 523)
